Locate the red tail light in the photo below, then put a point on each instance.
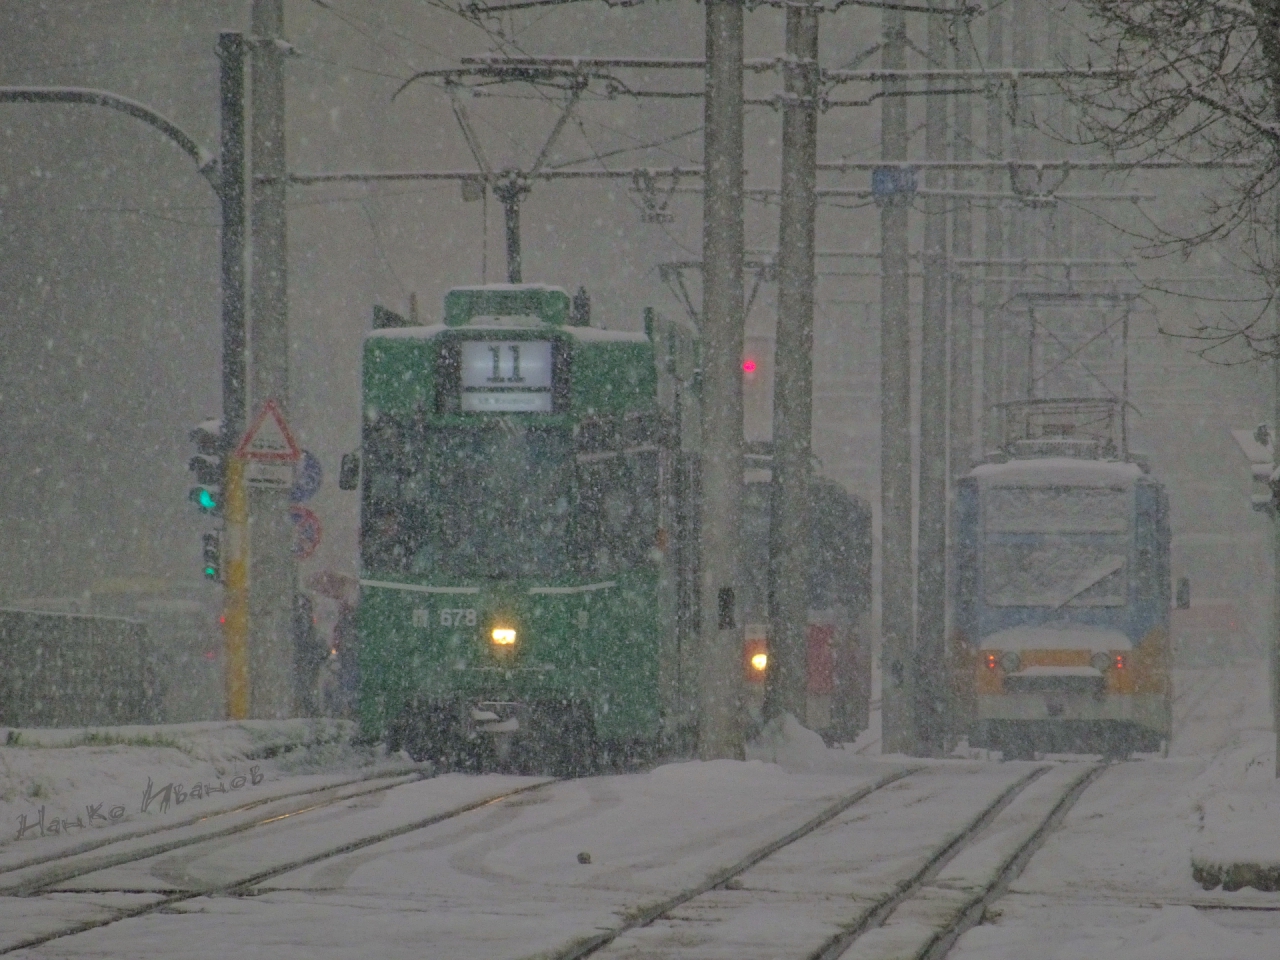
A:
(992, 661)
(1120, 661)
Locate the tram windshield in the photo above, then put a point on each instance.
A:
(478, 501)
(1056, 547)
(503, 500)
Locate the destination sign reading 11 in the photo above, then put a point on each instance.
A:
(506, 376)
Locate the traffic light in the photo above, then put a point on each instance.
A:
(212, 554)
(757, 389)
(208, 466)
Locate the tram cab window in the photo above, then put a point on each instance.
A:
(501, 504)
(617, 517)
(1056, 547)
(484, 501)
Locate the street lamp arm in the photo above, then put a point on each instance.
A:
(206, 162)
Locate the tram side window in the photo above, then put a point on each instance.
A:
(394, 519)
(618, 510)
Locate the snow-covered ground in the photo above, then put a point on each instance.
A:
(1115, 881)
(566, 861)
(62, 788)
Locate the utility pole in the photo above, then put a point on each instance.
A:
(993, 291)
(1021, 240)
(235, 620)
(896, 582)
(1274, 646)
(961, 434)
(789, 529)
(272, 571)
(931, 551)
(720, 679)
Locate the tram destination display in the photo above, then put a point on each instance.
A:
(506, 376)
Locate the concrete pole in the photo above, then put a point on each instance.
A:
(961, 445)
(1019, 342)
(789, 530)
(231, 194)
(931, 556)
(272, 570)
(961, 436)
(1274, 651)
(896, 624)
(720, 679)
(993, 247)
(231, 169)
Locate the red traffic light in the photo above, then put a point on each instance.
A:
(748, 365)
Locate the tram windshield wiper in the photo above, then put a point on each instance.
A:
(1095, 574)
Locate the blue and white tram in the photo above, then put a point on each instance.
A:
(1062, 596)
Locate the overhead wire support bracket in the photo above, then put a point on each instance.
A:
(1116, 165)
(992, 73)
(312, 179)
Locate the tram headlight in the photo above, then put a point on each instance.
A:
(1100, 661)
(1010, 661)
(759, 662)
(504, 638)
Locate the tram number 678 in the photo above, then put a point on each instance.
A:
(457, 617)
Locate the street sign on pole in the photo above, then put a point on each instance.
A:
(269, 439)
(307, 531)
(307, 478)
(269, 450)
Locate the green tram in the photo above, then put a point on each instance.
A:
(515, 571)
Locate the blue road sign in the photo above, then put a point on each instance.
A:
(891, 181)
(307, 477)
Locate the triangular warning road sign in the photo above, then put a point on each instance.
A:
(269, 439)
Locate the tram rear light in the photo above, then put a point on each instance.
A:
(992, 661)
(503, 637)
(1120, 661)
(759, 661)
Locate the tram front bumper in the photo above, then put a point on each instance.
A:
(1144, 709)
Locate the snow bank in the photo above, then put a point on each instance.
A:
(72, 783)
(784, 741)
(1240, 843)
(219, 740)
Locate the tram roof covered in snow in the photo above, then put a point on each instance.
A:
(1050, 471)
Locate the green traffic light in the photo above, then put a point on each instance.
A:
(211, 573)
(204, 498)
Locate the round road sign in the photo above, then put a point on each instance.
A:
(306, 531)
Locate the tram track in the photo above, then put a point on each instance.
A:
(586, 947)
(941, 941)
(244, 885)
(883, 908)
